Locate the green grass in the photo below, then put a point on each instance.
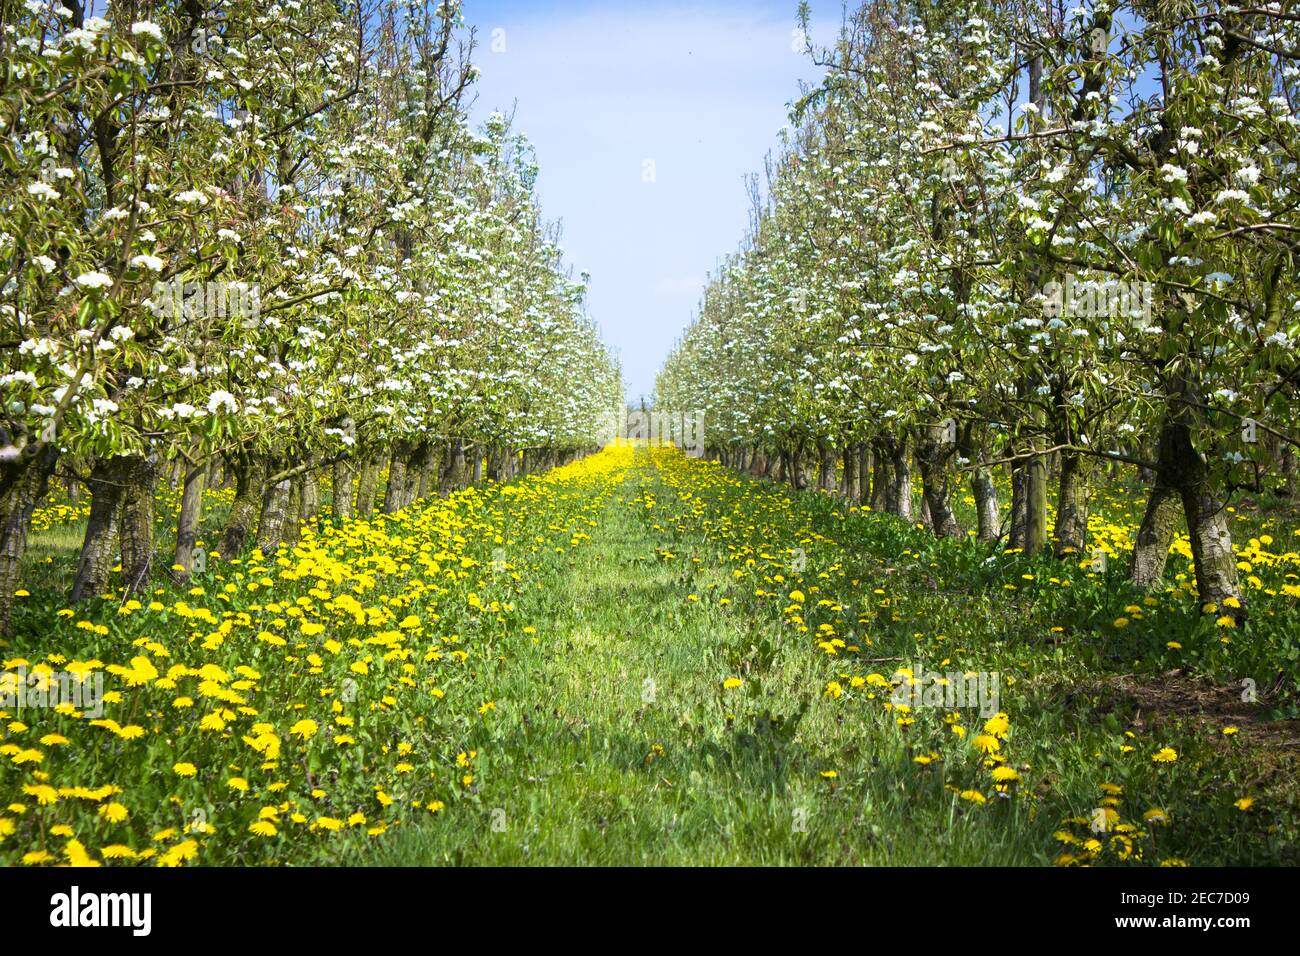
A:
(630, 664)
(573, 774)
(612, 739)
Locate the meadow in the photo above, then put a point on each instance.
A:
(642, 657)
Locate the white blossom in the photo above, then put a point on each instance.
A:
(94, 280)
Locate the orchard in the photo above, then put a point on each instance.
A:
(329, 535)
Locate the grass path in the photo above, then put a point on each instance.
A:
(614, 744)
(646, 659)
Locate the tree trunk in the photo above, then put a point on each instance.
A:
(793, 462)
(899, 501)
(367, 484)
(453, 469)
(852, 490)
(866, 462)
(988, 519)
(923, 516)
(932, 454)
(138, 517)
(1071, 506)
(1035, 505)
(825, 467)
(274, 516)
(22, 493)
(1182, 465)
(1182, 471)
(1019, 513)
(423, 460)
(107, 491)
(341, 505)
(808, 471)
(1029, 525)
(310, 497)
(423, 481)
(1155, 534)
(1288, 468)
(187, 523)
(395, 489)
(395, 492)
(1215, 564)
(881, 482)
(250, 473)
(293, 516)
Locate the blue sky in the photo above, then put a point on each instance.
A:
(603, 89)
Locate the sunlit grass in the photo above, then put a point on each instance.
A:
(642, 658)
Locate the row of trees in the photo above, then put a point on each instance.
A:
(258, 242)
(1048, 237)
